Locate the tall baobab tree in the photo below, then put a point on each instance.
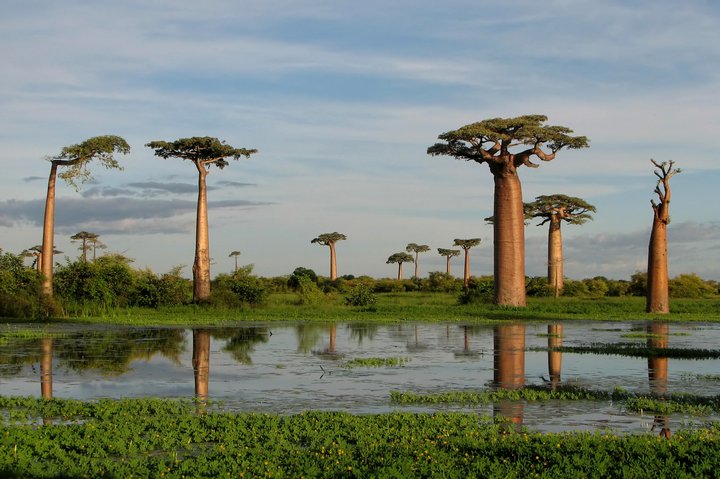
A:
(400, 258)
(76, 158)
(506, 144)
(466, 244)
(84, 237)
(203, 152)
(234, 254)
(329, 239)
(96, 245)
(416, 248)
(658, 297)
(554, 209)
(448, 253)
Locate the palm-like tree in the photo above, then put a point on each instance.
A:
(84, 237)
(554, 209)
(203, 152)
(400, 258)
(448, 253)
(76, 158)
(416, 248)
(235, 254)
(329, 239)
(507, 144)
(466, 244)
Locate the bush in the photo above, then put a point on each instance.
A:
(293, 281)
(308, 292)
(442, 283)
(690, 286)
(240, 288)
(538, 286)
(360, 295)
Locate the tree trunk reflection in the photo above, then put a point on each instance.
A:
(509, 368)
(658, 337)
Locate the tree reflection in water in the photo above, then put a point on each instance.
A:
(555, 340)
(658, 337)
(509, 369)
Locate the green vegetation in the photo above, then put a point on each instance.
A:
(376, 362)
(153, 438)
(637, 350)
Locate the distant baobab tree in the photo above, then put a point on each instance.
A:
(554, 209)
(400, 258)
(84, 237)
(36, 252)
(448, 253)
(203, 152)
(76, 158)
(491, 141)
(658, 297)
(96, 245)
(416, 248)
(466, 244)
(235, 254)
(329, 239)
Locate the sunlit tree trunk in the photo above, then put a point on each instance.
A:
(509, 240)
(48, 243)
(333, 263)
(447, 265)
(466, 269)
(555, 255)
(201, 266)
(333, 336)
(509, 367)
(416, 264)
(658, 294)
(658, 337)
(201, 363)
(399, 276)
(555, 332)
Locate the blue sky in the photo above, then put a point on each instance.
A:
(342, 100)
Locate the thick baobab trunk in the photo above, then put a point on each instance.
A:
(416, 265)
(399, 271)
(48, 243)
(201, 266)
(658, 294)
(447, 266)
(333, 263)
(555, 255)
(466, 269)
(201, 363)
(509, 239)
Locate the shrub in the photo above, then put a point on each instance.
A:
(442, 283)
(300, 272)
(690, 286)
(308, 292)
(538, 286)
(360, 295)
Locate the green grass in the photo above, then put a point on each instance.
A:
(424, 307)
(376, 362)
(152, 438)
(636, 350)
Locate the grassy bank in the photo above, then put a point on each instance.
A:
(393, 307)
(153, 438)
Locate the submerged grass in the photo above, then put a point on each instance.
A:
(114, 439)
(636, 350)
(416, 306)
(376, 362)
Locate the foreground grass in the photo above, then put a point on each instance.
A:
(154, 438)
(394, 307)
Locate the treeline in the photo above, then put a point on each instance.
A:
(111, 282)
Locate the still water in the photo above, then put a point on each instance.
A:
(292, 367)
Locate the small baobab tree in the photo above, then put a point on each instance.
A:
(329, 240)
(506, 144)
(203, 152)
(84, 238)
(76, 158)
(658, 295)
(416, 248)
(96, 245)
(235, 254)
(554, 209)
(466, 244)
(448, 253)
(400, 258)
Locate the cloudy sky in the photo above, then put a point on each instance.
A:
(342, 100)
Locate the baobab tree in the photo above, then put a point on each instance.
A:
(400, 258)
(203, 152)
(497, 142)
(466, 244)
(658, 297)
(84, 237)
(416, 248)
(329, 240)
(96, 245)
(235, 254)
(554, 209)
(76, 158)
(448, 253)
